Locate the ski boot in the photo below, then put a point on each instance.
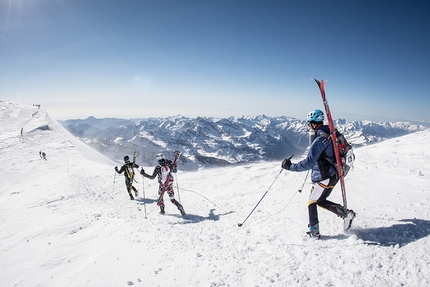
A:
(314, 232)
(181, 209)
(162, 209)
(347, 221)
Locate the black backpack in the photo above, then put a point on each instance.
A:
(346, 153)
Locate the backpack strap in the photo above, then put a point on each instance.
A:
(324, 135)
(327, 138)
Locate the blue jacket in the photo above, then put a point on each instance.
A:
(320, 150)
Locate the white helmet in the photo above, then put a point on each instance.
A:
(160, 156)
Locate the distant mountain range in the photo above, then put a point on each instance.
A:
(218, 141)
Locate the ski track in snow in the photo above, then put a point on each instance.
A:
(67, 221)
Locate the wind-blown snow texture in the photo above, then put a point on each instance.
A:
(220, 142)
(67, 220)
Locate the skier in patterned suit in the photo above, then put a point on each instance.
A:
(165, 182)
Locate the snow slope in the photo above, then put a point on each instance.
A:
(67, 221)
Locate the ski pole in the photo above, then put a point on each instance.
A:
(240, 224)
(177, 154)
(177, 187)
(304, 182)
(144, 197)
(113, 186)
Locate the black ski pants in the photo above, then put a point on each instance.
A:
(319, 193)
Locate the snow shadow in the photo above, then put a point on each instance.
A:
(408, 231)
(193, 218)
(145, 200)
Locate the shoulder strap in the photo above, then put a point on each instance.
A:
(129, 170)
(327, 137)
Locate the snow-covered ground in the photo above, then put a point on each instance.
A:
(67, 220)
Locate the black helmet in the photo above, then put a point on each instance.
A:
(126, 158)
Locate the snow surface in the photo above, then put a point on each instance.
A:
(67, 220)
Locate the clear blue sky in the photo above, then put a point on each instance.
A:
(217, 58)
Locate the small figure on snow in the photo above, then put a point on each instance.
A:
(324, 174)
(128, 171)
(42, 154)
(165, 180)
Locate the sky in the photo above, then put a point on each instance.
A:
(72, 217)
(139, 59)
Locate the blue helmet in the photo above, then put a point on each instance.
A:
(315, 116)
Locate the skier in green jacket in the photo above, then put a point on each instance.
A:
(128, 171)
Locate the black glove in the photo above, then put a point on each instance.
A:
(116, 168)
(174, 168)
(286, 164)
(142, 171)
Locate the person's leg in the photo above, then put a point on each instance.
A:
(327, 204)
(136, 193)
(171, 194)
(128, 185)
(316, 192)
(160, 201)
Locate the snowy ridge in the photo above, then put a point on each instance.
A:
(78, 227)
(220, 142)
(35, 121)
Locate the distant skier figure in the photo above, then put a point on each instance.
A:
(165, 180)
(42, 155)
(324, 174)
(128, 171)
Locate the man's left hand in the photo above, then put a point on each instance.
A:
(286, 164)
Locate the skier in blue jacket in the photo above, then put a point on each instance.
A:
(324, 174)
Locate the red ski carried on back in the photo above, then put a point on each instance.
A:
(335, 140)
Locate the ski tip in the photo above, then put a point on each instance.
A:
(319, 82)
